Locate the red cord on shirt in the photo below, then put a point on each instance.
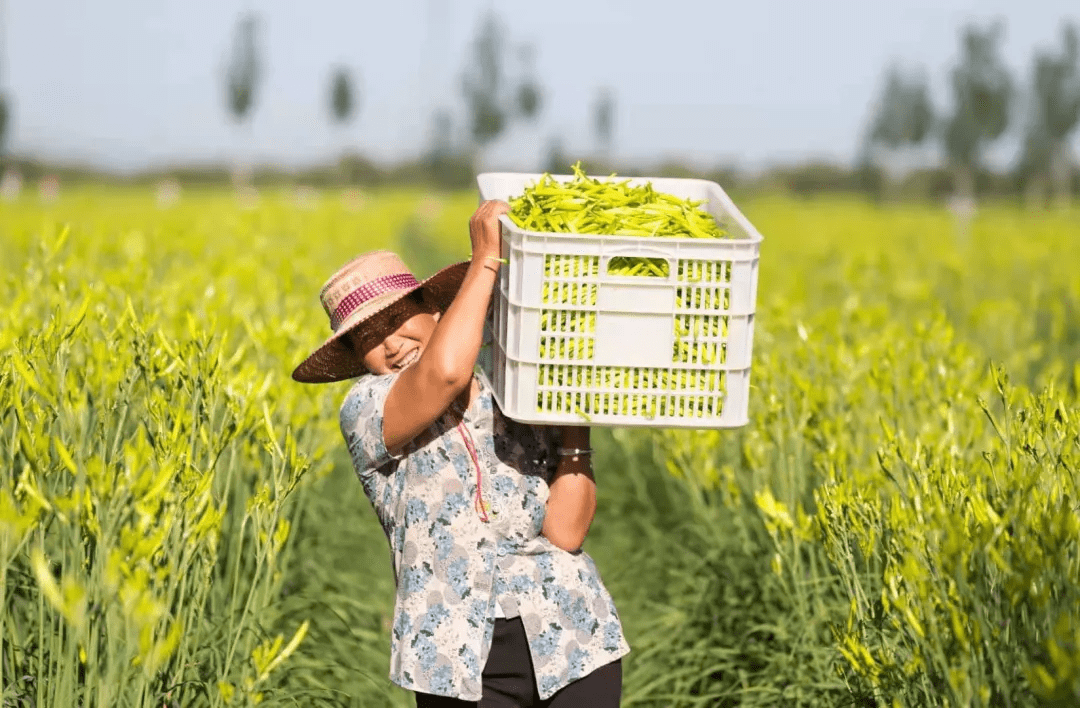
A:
(478, 503)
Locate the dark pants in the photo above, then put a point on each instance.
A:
(509, 681)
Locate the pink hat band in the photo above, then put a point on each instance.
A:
(369, 290)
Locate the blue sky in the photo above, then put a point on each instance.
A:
(131, 83)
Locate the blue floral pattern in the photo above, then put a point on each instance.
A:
(451, 567)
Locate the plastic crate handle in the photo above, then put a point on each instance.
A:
(647, 253)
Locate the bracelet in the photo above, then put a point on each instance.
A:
(497, 260)
(574, 451)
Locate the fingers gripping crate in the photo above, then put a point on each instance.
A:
(572, 341)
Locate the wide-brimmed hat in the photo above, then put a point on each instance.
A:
(368, 285)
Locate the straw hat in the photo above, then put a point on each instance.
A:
(365, 286)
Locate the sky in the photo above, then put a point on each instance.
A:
(131, 84)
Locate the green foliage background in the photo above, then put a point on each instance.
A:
(897, 526)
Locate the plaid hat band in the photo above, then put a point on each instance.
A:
(369, 290)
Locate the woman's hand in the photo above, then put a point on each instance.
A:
(484, 230)
(571, 502)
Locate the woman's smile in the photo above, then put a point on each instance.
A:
(405, 361)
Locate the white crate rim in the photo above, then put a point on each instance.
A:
(753, 236)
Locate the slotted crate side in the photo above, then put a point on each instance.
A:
(674, 341)
(519, 395)
(543, 391)
(571, 343)
(633, 321)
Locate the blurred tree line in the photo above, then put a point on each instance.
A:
(912, 149)
(986, 106)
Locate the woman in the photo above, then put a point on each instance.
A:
(496, 603)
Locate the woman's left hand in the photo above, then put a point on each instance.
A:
(571, 501)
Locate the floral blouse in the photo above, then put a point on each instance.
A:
(451, 567)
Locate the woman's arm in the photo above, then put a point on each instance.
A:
(571, 503)
(424, 390)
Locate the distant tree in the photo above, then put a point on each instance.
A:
(343, 99)
(490, 105)
(529, 97)
(982, 96)
(604, 123)
(1056, 113)
(904, 119)
(244, 69)
(5, 108)
(447, 167)
(5, 115)
(556, 162)
(442, 135)
(343, 106)
(483, 85)
(1033, 166)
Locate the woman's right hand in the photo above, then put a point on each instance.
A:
(484, 230)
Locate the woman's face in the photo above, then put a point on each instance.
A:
(410, 328)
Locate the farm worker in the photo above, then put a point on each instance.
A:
(496, 602)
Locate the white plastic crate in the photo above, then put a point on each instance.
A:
(572, 344)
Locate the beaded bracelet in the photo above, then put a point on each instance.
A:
(574, 452)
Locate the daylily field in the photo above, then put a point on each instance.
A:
(897, 525)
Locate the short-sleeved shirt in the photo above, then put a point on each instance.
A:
(451, 567)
